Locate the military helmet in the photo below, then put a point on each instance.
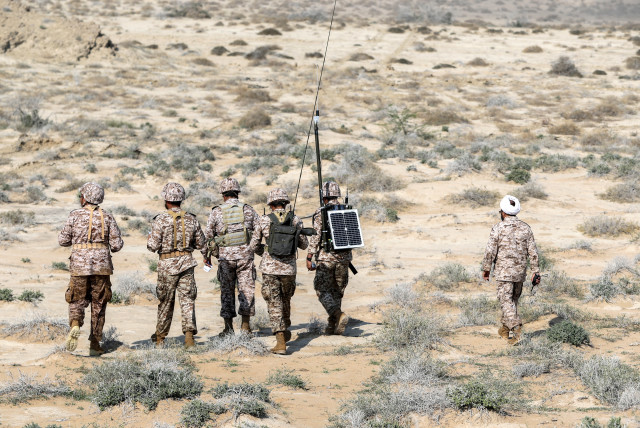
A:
(173, 192)
(92, 193)
(277, 195)
(330, 189)
(229, 185)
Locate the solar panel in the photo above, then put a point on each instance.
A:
(345, 229)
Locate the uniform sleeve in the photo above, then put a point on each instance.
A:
(303, 242)
(491, 251)
(532, 249)
(256, 238)
(314, 241)
(66, 234)
(154, 242)
(199, 238)
(210, 229)
(115, 237)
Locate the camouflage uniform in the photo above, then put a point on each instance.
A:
(235, 263)
(93, 235)
(332, 274)
(510, 243)
(174, 235)
(278, 273)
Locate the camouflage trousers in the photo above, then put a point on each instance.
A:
(185, 284)
(508, 295)
(277, 291)
(242, 272)
(330, 281)
(94, 290)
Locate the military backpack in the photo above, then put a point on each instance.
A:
(283, 236)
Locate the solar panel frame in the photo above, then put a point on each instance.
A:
(346, 232)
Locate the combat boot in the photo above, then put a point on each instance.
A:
(72, 338)
(503, 332)
(517, 333)
(331, 326)
(341, 323)
(228, 327)
(287, 335)
(281, 347)
(158, 341)
(188, 340)
(246, 324)
(95, 350)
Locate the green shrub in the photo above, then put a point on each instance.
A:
(196, 413)
(6, 295)
(520, 176)
(242, 398)
(59, 266)
(607, 377)
(479, 310)
(485, 392)
(407, 328)
(286, 377)
(32, 296)
(254, 119)
(447, 276)
(568, 332)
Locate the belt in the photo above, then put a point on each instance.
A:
(92, 245)
(174, 254)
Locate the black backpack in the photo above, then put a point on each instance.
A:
(283, 236)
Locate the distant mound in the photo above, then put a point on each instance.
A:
(26, 33)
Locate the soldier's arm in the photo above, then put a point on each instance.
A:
(256, 238)
(532, 249)
(303, 242)
(199, 238)
(491, 251)
(210, 228)
(115, 237)
(314, 241)
(154, 242)
(65, 236)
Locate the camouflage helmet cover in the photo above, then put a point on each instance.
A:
(277, 195)
(173, 192)
(92, 193)
(330, 189)
(229, 185)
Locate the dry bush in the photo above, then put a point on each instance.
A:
(219, 50)
(563, 66)
(270, 32)
(578, 115)
(479, 310)
(409, 329)
(438, 117)
(530, 190)
(261, 52)
(238, 43)
(475, 197)
(250, 96)
(256, 118)
(203, 61)
(532, 49)
(190, 9)
(478, 62)
(361, 56)
(624, 193)
(601, 137)
(242, 343)
(608, 226)
(38, 327)
(565, 128)
(633, 63)
(447, 277)
(26, 388)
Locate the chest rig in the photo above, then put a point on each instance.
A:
(233, 215)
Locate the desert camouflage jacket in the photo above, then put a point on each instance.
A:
(215, 227)
(275, 265)
(510, 244)
(162, 241)
(315, 246)
(91, 261)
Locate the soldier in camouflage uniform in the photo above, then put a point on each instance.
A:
(278, 272)
(230, 225)
(174, 235)
(93, 235)
(332, 274)
(510, 243)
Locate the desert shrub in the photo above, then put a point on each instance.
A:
(31, 296)
(465, 163)
(18, 217)
(567, 332)
(406, 328)
(254, 119)
(358, 169)
(563, 66)
(243, 398)
(251, 96)
(403, 295)
(219, 50)
(555, 162)
(239, 342)
(147, 377)
(607, 377)
(532, 49)
(38, 326)
(407, 368)
(110, 338)
(188, 9)
(581, 244)
(518, 175)
(380, 210)
(604, 289)
(286, 377)
(29, 119)
(261, 52)
(127, 286)
(486, 392)
(566, 128)
(360, 56)
(597, 138)
(26, 388)
(478, 62)
(559, 283)
(578, 115)
(35, 194)
(479, 310)
(610, 106)
(624, 193)
(6, 295)
(608, 226)
(530, 190)
(316, 325)
(530, 369)
(447, 276)
(196, 413)
(203, 61)
(633, 63)
(630, 397)
(475, 196)
(439, 117)
(501, 101)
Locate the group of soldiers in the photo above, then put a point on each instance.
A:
(233, 234)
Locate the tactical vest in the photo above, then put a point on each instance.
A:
(232, 214)
(175, 216)
(282, 237)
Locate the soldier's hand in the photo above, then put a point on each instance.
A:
(310, 265)
(535, 279)
(485, 275)
(207, 262)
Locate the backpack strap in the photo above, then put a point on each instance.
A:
(175, 216)
(92, 208)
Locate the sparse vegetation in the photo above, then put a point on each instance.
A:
(31, 296)
(567, 332)
(243, 398)
(563, 66)
(254, 119)
(608, 226)
(486, 392)
(127, 286)
(18, 217)
(6, 295)
(406, 328)
(447, 276)
(478, 310)
(240, 342)
(286, 377)
(37, 327)
(26, 388)
(59, 266)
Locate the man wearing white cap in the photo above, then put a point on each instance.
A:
(510, 243)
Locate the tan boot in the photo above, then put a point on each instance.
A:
(517, 334)
(188, 340)
(157, 340)
(95, 350)
(228, 327)
(287, 335)
(246, 324)
(331, 326)
(503, 332)
(341, 323)
(281, 347)
(72, 338)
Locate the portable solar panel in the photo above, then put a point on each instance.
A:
(345, 229)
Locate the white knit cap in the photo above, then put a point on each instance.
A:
(507, 208)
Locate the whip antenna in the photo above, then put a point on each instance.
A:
(315, 114)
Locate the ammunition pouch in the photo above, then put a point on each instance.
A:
(173, 254)
(233, 239)
(92, 245)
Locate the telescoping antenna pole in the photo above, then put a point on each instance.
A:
(316, 120)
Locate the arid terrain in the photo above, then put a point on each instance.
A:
(429, 115)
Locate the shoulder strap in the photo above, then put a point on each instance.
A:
(274, 218)
(175, 216)
(91, 208)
